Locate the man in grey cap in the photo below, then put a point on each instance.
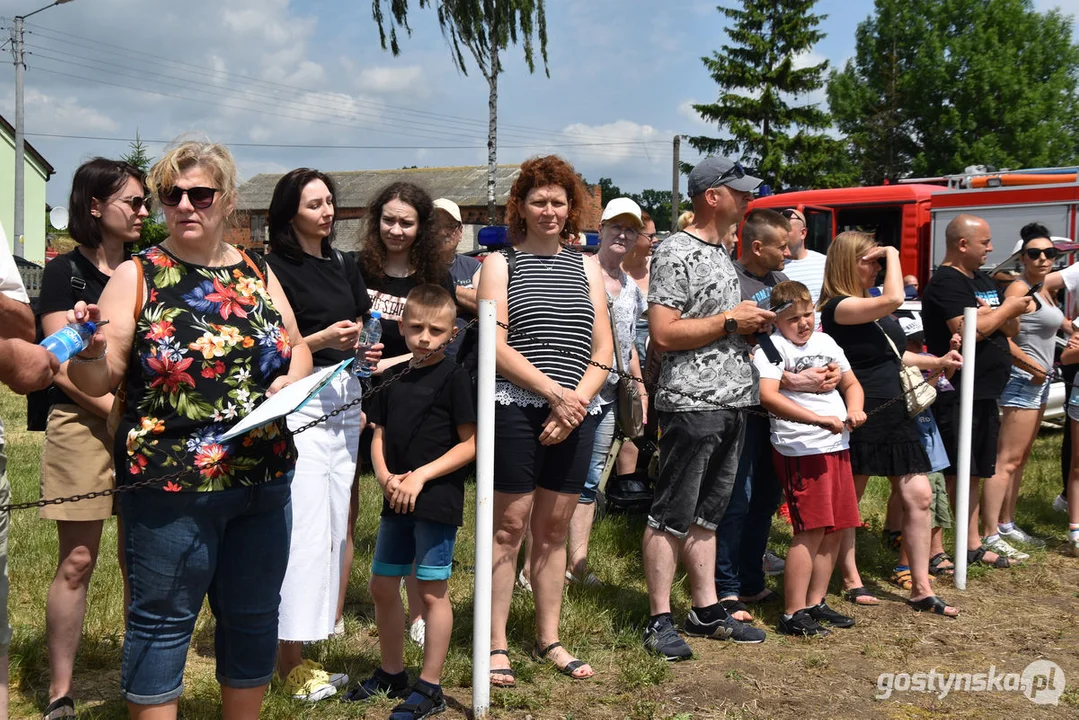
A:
(698, 322)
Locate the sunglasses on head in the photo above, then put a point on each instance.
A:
(200, 197)
(736, 171)
(1051, 253)
(791, 214)
(137, 203)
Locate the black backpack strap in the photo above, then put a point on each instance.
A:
(769, 348)
(78, 282)
(339, 257)
(510, 254)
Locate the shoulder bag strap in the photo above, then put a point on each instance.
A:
(140, 282)
(614, 336)
(890, 343)
(251, 264)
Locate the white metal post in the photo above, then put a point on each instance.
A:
(966, 420)
(485, 481)
(18, 228)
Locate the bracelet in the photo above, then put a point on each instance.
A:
(79, 359)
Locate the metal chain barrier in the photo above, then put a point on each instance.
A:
(369, 392)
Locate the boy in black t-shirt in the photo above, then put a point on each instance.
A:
(425, 436)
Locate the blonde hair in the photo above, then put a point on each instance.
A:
(789, 291)
(685, 219)
(841, 266)
(178, 159)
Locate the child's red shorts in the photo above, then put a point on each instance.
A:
(820, 491)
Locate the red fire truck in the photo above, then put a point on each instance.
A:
(911, 215)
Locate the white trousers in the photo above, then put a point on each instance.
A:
(321, 488)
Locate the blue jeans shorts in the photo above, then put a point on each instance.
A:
(231, 545)
(405, 540)
(1019, 393)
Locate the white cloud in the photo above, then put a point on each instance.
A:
(391, 80)
(47, 113)
(686, 111)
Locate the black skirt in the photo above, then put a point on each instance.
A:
(889, 443)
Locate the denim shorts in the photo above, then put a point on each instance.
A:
(1019, 393)
(405, 540)
(231, 545)
(698, 461)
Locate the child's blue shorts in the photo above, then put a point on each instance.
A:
(404, 540)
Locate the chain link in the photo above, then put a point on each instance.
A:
(370, 390)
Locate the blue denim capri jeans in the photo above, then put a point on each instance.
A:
(230, 545)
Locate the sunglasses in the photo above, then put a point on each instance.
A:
(736, 172)
(200, 197)
(1050, 253)
(137, 203)
(792, 215)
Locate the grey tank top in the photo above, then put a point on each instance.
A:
(1038, 330)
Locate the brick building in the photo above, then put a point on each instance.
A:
(466, 186)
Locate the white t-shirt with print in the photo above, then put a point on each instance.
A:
(10, 280)
(795, 439)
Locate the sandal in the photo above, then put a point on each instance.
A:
(569, 669)
(764, 597)
(61, 707)
(431, 703)
(506, 672)
(937, 561)
(902, 579)
(734, 605)
(977, 556)
(933, 604)
(861, 596)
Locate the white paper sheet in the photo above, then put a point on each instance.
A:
(288, 400)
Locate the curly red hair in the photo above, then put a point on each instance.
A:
(540, 172)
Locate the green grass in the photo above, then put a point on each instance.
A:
(602, 625)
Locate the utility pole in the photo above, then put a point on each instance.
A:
(676, 172)
(18, 55)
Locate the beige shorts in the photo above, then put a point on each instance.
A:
(76, 458)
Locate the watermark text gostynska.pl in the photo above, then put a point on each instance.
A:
(1042, 682)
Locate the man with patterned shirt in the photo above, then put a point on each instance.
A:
(699, 324)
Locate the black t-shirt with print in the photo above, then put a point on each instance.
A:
(388, 297)
(58, 295)
(871, 358)
(948, 293)
(322, 291)
(420, 413)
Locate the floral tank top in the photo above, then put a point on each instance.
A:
(208, 343)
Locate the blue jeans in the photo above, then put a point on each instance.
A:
(180, 547)
(742, 535)
(600, 448)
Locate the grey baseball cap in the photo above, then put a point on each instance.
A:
(714, 171)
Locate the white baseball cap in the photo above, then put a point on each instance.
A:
(622, 206)
(449, 207)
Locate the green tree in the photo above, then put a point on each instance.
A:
(154, 229)
(937, 85)
(485, 28)
(759, 81)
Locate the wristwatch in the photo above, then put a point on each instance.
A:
(730, 325)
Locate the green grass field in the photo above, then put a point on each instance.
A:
(1009, 618)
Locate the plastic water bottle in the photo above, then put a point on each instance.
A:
(369, 336)
(71, 339)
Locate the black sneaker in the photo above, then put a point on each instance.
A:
(800, 623)
(823, 613)
(725, 629)
(661, 638)
(394, 686)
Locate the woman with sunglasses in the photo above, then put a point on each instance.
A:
(198, 336)
(330, 300)
(107, 206)
(1022, 403)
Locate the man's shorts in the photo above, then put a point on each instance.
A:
(404, 541)
(698, 460)
(939, 507)
(983, 437)
(819, 490)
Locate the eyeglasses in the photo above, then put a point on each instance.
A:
(200, 197)
(651, 236)
(1051, 253)
(137, 203)
(630, 233)
(736, 171)
(792, 214)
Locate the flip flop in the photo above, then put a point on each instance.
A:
(932, 604)
(861, 596)
(507, 672)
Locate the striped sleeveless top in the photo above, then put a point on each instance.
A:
(549, 301)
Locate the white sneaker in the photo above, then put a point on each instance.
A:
(308, 681)
(1001, 547)
(338, 628)
(1075, 547)
(1060, 504)
(1021, 536)
(773, 564)
(418, 632)
(522, 582)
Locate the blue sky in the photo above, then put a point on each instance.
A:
(262, 73)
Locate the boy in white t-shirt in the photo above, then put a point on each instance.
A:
(810, 440)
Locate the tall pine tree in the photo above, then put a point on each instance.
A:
(154, 229)
(760, 85)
